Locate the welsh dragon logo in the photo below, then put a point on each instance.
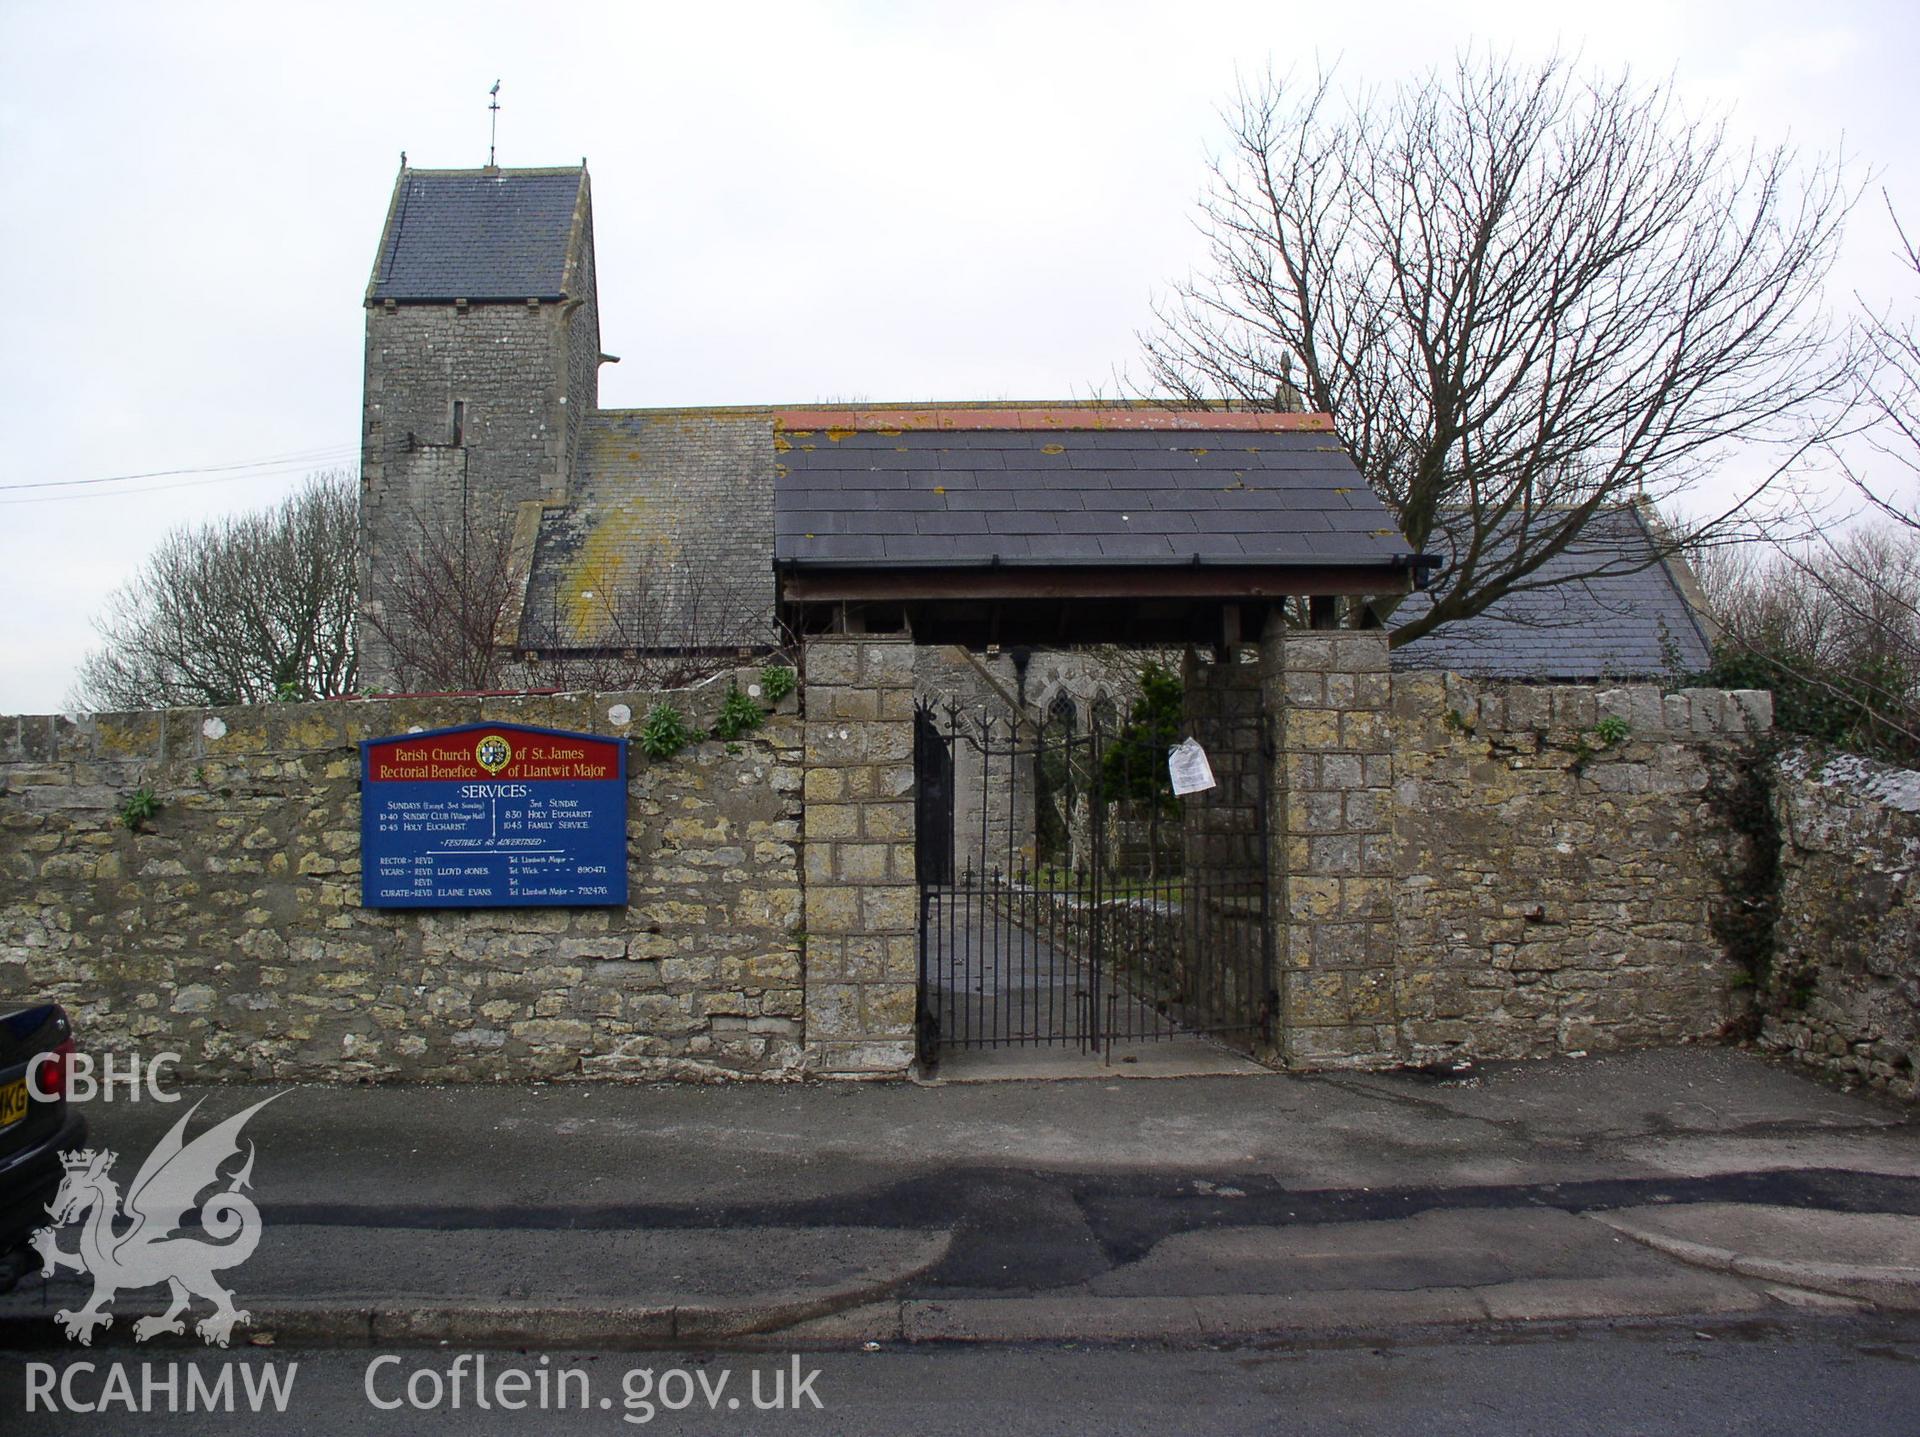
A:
(146, 1251)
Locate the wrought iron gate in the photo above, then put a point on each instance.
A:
(1067, 897)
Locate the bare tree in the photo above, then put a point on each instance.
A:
(1892, 397)
(457, 613)
(1832, 626)
(1525, 297)
(242, 610)
(442, 599)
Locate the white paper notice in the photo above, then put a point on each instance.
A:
(1188, 767)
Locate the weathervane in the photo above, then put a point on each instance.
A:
(493, 121)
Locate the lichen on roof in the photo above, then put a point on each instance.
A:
(666, 540)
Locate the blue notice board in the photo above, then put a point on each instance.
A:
(493, 816)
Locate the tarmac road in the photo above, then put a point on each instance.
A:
(1689, 1183)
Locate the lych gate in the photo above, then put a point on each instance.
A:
(1100, 911)
(1061, 894)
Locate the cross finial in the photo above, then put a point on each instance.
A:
(493, 121)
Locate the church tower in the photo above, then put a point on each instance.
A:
(482, 368)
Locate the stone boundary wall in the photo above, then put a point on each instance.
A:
(230, 930)
(1844, 993)
(1558, 881)
(1491, 869)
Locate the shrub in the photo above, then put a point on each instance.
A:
(777, 681)
(663, 733)
(138, 808)
(738, 714)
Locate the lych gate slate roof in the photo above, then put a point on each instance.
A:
(1633, 620)
(949, 489)
(458, 234)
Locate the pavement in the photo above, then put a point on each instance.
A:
(1176, 1057)
(1695, 1184)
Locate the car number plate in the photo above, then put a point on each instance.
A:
(13, 1103)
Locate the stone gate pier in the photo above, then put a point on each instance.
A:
(862, 915)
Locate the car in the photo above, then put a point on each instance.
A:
(36, 1041)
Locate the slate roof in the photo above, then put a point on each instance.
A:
(468, 234)
(1633, 621)
(670, 512)
(1083, 488)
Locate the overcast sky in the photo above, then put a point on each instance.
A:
(794, 202)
